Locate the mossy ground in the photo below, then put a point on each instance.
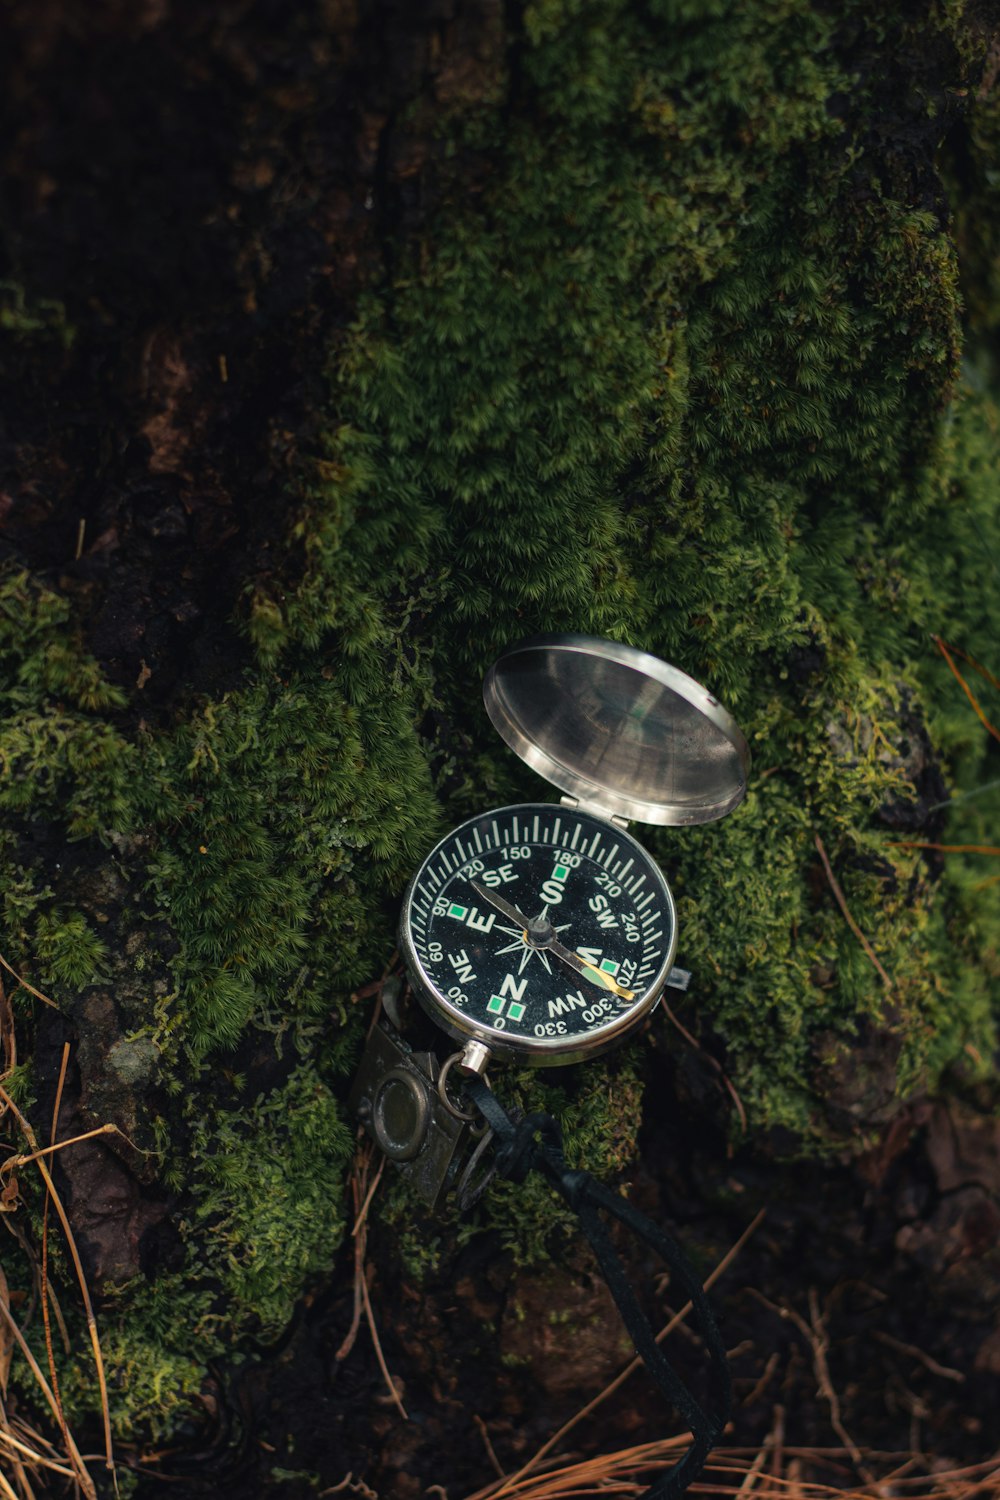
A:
(682, 369)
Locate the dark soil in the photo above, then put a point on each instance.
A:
(892, 1263)
(202, 190)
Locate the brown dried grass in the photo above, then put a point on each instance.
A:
(29, 1459)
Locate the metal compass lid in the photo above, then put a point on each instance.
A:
(618, 728)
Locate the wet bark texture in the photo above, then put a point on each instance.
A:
(202, 193)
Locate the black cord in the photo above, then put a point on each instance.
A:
(535, 1144)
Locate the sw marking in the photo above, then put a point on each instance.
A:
(601, 907)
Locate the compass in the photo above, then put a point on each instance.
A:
(544, 931)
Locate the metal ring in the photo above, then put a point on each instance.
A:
(459, 1114)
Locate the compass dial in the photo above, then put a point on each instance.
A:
(544, 932)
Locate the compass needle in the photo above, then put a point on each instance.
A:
(590, 971)
(500, 904)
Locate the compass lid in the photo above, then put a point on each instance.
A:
(618, 728)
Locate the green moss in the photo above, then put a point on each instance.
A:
(156, 1340)
(68, 951)
(279, 1163)
(265, 1186)
(57, 758)
(737, 451)
(277, 876)
(599, 1110)
(22, 318)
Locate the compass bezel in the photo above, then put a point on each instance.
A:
(531, 1050)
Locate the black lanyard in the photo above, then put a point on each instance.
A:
(535, 1144)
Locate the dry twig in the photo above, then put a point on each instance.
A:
(46, 1319)
(947, 653)
(765, 1379)
(842, 903)
(25, 985)
(925, 1359)
(713, 1061)
(362, 1195)
(815, 1334)
(83, 1479)
(736, 1473)
(88, 1305)
(484, 1433)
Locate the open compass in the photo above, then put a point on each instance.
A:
(544, 931)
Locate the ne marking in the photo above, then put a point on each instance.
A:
(590, 851)
(645, 900)
(515, 837)
(535, 835)
(479, 842)
(436, 878)
(576, 834)
(622, 872)
(447, 862)
(611, 856)
(461, 851)
(555, 829)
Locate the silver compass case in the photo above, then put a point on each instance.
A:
(619, 730)
(625, 736)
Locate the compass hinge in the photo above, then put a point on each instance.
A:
(595, 809)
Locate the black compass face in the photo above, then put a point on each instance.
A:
(540, 931)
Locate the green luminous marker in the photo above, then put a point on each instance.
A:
(457, 911)
(608, 966)
(495, 1004)
(560, 872)
(516, 1011)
